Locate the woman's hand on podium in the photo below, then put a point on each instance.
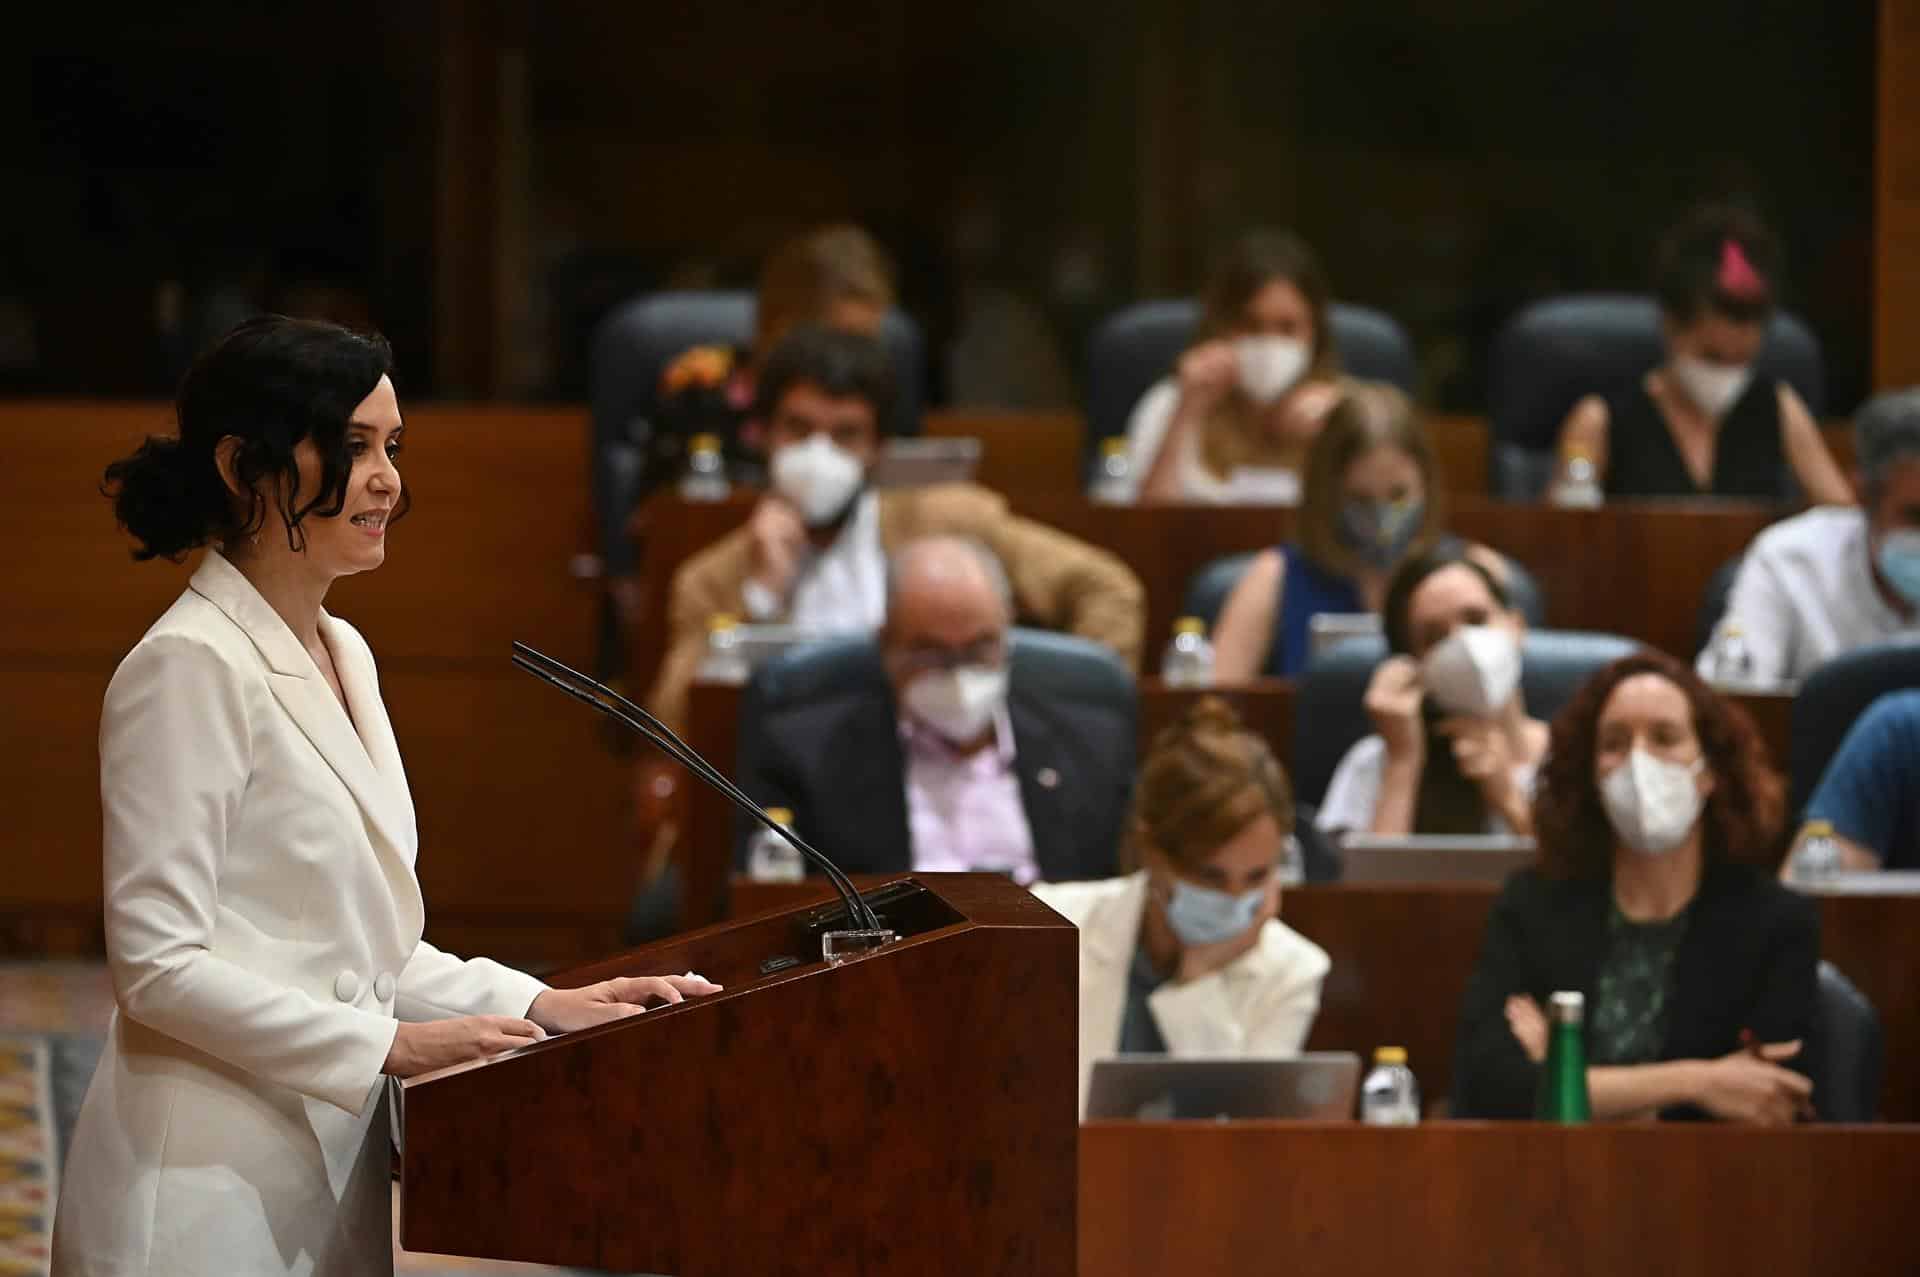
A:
(564, 1010)
(434, 1044)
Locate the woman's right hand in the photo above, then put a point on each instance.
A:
(1393, 703)
(434, 1044)
(1207, 373)
(1752, 1086)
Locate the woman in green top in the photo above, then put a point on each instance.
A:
(1659, 822)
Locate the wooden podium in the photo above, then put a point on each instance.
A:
(913, 1111)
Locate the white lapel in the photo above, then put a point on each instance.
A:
(303, 692)
(1108, 938)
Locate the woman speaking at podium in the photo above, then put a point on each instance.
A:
(263, 920)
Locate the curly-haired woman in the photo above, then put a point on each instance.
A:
(1659, 821)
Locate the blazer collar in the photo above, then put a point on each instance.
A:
(1111, 931)
(367, 760)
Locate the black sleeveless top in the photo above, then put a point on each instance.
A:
(1644, 461)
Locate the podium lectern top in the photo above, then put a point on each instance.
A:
(911, 1111)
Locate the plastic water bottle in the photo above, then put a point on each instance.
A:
(1293, 863)
(724, 661)
(705, 479)
(1189, 658)
(1112, 483)
(1816, 857)
(1390, 1096)
(1579, 488)
(1732, 661)
(771, 858)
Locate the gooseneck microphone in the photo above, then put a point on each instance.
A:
(656, 733)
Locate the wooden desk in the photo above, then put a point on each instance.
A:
(1635, 570)
(1464, 1197)
(1402, 955)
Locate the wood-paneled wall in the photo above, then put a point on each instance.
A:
(521, 803)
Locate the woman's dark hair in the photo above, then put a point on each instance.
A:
(270, 383)
(843, 365)
(1253, 261)
(1745, 814)
(1719, 259)
(1447, 802)
(1397, 607)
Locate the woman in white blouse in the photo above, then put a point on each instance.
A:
(1187, 955)
(1454, 749)
(263, 920)
(1233, 424)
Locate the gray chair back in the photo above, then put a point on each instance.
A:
(1713, 602)
(1067, 667)
(1330, 716)
(631, 349)
(1830, 699)
(1137, 346)
(1557, 350)
(1207, 589)
(1845, 1051)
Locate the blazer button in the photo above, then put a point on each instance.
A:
(383, 986)
(346, 986)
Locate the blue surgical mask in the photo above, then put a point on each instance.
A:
(1203, 915)
(1380, 531)
(1899, 561)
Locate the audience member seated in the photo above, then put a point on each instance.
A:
(1700, 424)
(1659, 823)
(1372, 499)
(1235, 421)
(947, 762)
(1837, 577)
(813, 554)
(1187, 955)
(835, 276)
(1870, 792)
(1455, 751)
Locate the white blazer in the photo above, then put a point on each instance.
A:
(1261, 1003)
(263, 931)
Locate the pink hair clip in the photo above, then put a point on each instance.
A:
(1737, 277)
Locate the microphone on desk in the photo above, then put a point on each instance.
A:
(656, 733)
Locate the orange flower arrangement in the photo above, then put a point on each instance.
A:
(703, 367)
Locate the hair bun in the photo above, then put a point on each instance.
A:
(161, 496)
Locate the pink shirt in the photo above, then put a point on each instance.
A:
(964, 810)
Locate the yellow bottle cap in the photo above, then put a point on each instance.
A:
(704, 443)
(779, 815)
(1817, 829)
(1113, 447)
(722, 621)
(1189, 625)
(1390, 1055)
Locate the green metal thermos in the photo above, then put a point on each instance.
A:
(1563, 1083)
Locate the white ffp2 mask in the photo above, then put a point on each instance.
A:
(1473, 671)
(958, 703)
(1714, 388)
(1652, 803)
(1269, 365)
(818, 476)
